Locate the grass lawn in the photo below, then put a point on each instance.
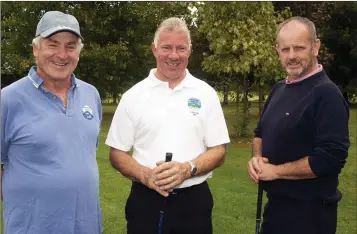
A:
(234, 194)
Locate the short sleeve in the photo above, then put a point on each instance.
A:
(216, 128)
(121, 131)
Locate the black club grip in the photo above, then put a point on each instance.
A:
(168, 157)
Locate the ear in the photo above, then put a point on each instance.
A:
(190, 50)
(317, 45)
(154, 49)
(34, 50)
(277, 48)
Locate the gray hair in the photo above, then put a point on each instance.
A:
(172, 24)
(305, 21)
(36, 41)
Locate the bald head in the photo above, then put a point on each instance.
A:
(294, 32)
(298, 23)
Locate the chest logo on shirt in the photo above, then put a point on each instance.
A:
(195, 105)
(87, 112)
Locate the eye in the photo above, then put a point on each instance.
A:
(166, 48)
(52, 45)
(285, 50)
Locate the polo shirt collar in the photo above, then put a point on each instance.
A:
(37, 81)
(188, 81)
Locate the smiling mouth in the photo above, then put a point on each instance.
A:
(172, 64)
(293, 64)
(60, 64)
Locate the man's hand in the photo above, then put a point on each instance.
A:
(149, 181)
(170, 174)
(254, 168)
(267, 171)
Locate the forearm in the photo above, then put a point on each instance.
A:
(299, 169)
(257, 147)
(126, 165)
(211, 159)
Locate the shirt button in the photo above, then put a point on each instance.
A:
(54, 97)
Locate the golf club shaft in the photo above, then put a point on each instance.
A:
(259, 208)
(168, 158)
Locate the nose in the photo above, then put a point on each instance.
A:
(62, 53)
(292, 54)
(173, 54)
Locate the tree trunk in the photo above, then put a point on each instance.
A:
(245, 94)
(244, 114)
(225, 94)
(261, 96)
(115, 98)
(237, 95)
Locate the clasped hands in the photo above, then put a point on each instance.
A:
(165, 176)
(259, 168)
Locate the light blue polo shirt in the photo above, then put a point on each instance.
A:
(51, 179)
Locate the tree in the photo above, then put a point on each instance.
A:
(117, 39)
(340, 37)
(241, 38)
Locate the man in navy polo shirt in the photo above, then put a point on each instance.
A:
(50, 125)
(301, 141)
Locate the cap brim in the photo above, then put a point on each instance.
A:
(51, 31)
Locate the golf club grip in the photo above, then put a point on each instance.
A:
(259, 201)
(168, 157)
(259, 208)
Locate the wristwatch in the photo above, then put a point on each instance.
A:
(193, 168)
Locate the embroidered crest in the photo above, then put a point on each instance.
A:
(195, 105)
(87, 112)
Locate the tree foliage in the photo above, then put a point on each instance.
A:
(117, 38)
(241, 37)
(340, 37)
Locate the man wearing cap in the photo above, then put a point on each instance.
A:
(50, 125)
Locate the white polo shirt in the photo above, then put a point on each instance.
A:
(155, 119)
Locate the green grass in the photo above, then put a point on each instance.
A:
(234, 194)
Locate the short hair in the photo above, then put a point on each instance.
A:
(172, 24)
(36, 41)
(305, 21)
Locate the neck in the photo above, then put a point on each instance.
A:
(172, 82)
(57, 86)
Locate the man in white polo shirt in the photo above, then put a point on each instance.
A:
(169, 111)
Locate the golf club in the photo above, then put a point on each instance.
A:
(168, 158)
(259, 208)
